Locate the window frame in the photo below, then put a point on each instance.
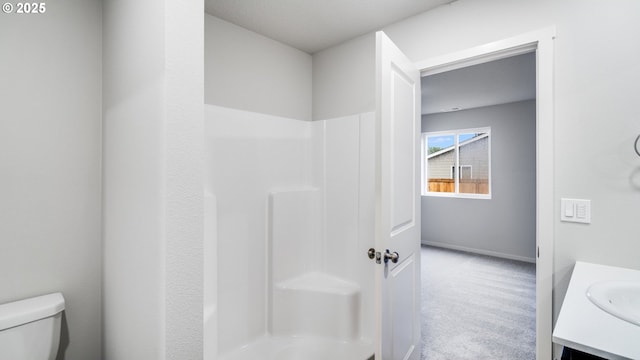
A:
(460, 167)
(456, 135)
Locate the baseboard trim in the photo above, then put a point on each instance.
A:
(479, 251)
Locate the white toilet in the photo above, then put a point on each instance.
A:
(30, 328)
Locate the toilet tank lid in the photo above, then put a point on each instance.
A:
(28, 310)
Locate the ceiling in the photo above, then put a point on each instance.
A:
(497, 82)
(313, 25)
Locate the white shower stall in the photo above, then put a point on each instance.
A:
(289, 217)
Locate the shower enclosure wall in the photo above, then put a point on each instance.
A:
(289, 212)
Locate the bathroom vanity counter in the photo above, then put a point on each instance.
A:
(584, 326)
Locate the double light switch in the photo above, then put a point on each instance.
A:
(575, 210)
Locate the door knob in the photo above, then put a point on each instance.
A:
(393, 256)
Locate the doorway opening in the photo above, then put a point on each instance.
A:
(496, 295)
(540, 44)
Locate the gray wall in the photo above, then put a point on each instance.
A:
(505, 224)
(50, 164)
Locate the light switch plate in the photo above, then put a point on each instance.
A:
(575, 210)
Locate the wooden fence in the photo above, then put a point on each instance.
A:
(467, 186)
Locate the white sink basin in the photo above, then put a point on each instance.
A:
(619, 298)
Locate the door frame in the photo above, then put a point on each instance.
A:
(540, 42)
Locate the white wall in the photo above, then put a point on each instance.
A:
(344, 79)
(247, 71)
(153, 200)
(50, 143)
(504, 225)
(184, 178)
(596, 118)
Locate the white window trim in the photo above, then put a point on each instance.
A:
(460, 167)
(456, 193)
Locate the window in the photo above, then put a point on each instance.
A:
(457, 163)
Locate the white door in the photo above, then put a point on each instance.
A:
(397, 202)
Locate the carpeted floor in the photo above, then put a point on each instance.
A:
(476, 307)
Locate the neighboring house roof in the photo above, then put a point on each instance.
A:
(446, 150)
